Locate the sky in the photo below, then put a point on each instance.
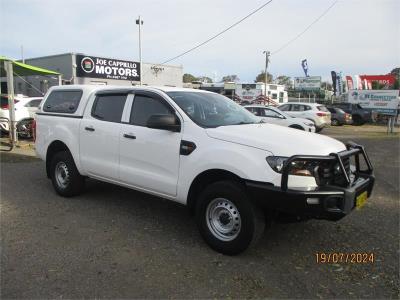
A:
(355, 36)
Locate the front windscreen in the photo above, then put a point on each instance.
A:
(212, 110)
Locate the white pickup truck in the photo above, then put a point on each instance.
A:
(200, 149)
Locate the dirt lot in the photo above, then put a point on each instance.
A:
(112, 242)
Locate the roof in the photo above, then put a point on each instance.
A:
(303, 103)
(91, 88)
(22, 69)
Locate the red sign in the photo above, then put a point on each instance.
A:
(382, 79)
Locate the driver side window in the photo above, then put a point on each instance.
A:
(271, 114)
(144, 107)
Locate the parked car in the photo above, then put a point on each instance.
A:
(25, 109)
(339, 117)
(359, 114)
(315, 112)
(273, 115)
(200, 149)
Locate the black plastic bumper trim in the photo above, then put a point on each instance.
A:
(294, 202)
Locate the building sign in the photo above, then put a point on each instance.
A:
(382, 101)
(106, 68)
(310, 83)
(247, 92)
(156, 69)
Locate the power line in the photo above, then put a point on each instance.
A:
(218, 34)
(306, 29)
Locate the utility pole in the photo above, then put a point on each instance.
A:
(267, 54)
(8, 66)
(22, 54)
(139, 22)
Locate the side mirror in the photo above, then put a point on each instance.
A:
(164, 122)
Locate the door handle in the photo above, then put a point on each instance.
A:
(129, 136)
(90, 128)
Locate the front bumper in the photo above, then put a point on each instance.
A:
(326, 202)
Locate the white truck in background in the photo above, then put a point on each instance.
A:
(200, 149)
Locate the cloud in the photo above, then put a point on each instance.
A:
(355, 37)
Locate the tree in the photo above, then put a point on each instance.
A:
(396, 73)
(261, 77)
(284, 80)
(326, 85)
(376, 85)
(204, 79)
(227, 78)
(187, 78)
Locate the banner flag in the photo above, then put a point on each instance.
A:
(333, 74)
(305, 66)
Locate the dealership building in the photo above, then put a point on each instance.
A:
(77, 68)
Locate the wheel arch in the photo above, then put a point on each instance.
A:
(205, 178)
(54, 147)
(297, 126)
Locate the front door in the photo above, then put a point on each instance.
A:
(149, 158)
(271, 116)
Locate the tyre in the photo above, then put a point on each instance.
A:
(318, 129)
(24, 128)
(335, 122)
(227, 219)
(65, 176)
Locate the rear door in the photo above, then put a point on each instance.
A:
(297, 110)
(99, 135)
(149, 158)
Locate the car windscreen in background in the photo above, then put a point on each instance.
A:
(63, 101)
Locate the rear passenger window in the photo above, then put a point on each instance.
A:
(254, 110)
(284, 107)
(297, 107)
(109, 107)
(63, 101)
(144, 107)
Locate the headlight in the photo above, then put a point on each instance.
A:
(276, 162)
(298, 168)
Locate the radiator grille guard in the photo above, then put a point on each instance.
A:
(334, 169)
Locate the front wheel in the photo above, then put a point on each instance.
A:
(65, 176)
(227, 219)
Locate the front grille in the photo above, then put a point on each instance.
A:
(330, 173)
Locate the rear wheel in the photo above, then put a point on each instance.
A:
(335, 122)
(227, 219)
(65, 176)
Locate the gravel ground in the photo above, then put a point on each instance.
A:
(112, 242)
